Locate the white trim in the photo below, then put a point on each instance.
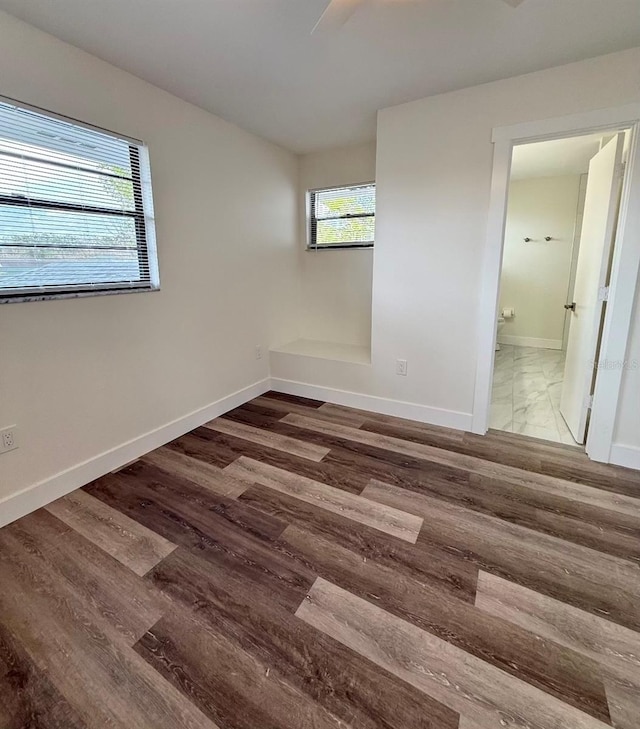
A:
(44, 492)
(624, 277)
(628, 456)
(372, 403)
(40, 494)
(587, 122)
(625, 271)
(490, 285)
(530, 341)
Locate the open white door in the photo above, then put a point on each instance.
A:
(596, 241)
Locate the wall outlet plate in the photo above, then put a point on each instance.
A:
(8, 439)
(258, 351)
(401, 367)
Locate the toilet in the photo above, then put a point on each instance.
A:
(500, 325)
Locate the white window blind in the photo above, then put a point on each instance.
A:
(76, 210)
(342, 217)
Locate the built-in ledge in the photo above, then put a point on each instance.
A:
(355, 353)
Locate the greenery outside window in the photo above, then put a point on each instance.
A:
(342, 217)
(76, 211)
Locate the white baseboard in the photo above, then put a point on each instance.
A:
(40, 494)
(623, 455)
(530, 342)
(398, 408)
(44, 492)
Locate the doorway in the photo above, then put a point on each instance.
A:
(615, 304)
(564, 197)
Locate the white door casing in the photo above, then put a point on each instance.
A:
(625, 267)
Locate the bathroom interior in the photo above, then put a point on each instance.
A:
(546, 205)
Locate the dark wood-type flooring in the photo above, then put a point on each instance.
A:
(297, 565)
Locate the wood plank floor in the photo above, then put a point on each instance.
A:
(296, 564)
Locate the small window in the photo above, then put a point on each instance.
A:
(76, 212)
(342, 217)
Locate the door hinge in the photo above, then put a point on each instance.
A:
(620, 168)
(590, 402)
(603, 293)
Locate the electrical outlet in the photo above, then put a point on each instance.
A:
(401, 367)
(258, 351)
(8, 439)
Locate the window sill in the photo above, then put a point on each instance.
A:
(354, 353)
(340, 247)
(77, 294)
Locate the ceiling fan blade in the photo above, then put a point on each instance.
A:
(514, 3)
(336, 14)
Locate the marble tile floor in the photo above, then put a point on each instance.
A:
(527, 383)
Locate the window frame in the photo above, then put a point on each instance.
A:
(142, 215)
(312, 220)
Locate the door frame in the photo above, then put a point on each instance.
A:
(624, 272)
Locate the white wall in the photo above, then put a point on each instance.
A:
(335, 285)
(82, 376)
(433, 174)
(535, 275)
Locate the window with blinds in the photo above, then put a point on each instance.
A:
(76, 211)
(342, 217)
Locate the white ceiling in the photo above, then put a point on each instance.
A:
(554, 158)
(255, 63)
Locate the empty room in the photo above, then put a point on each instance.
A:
(320, 364)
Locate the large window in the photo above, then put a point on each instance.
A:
(342, 217)
(76, 212)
